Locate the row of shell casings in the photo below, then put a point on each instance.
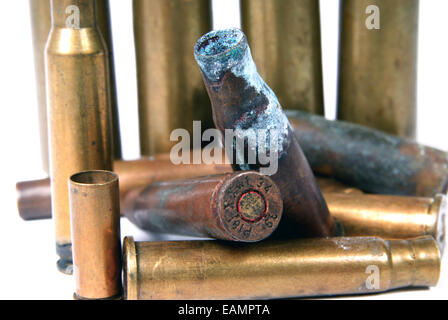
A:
(286, 43)
(154, 199)
(231, 270)
(179, 90)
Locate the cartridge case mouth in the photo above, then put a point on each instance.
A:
(219, 42)
(220, 51)
(94, 178)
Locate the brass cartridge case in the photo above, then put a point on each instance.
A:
(41, 25)
(244, 206)
(378, 67)
(242, 102)
(368, 159)
(79, 111)
(286, 45)
(95, 224)
(390, 217)
(327, 185)
(170, 90)
(296, 268)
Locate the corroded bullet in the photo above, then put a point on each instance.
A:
(79, 110)
(244, 206)
(170, 90)
(389, 217)
(297, 268)
(378, 64)
(370, 160)
(242, 102)
(34, 197)
(286, 45)
(95, 224)
(40, 26)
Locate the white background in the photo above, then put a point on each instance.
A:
(27, 259)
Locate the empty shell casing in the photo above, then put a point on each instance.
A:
(170, 90)
(41, 25)
(378, 64)
(286, 45)
(390, 217)
(297, 268)
(244, 206)
(95, 224)
(79, 111)
(241, 101)
(368, 159)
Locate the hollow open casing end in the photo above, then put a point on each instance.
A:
(95, 229)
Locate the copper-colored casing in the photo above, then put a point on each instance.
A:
(286, 45)
(378, 67)
(170, 90)
(242, 102)
(34, 197)
(40, 26)
(242, 206)
(79, 111)
(390, 217)
(298, 268)
(95, 224)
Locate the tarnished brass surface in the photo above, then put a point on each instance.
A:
(170, 90)
(297, 268)
(286, 45)
(242, 102)
(378, 67)
(95, 225)
(104, 25)
(369, 159)
(241, 206)
(389, 217)
(41, 25)
(79, 111)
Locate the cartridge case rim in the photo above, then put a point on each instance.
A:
(130, 269)
(272, 201)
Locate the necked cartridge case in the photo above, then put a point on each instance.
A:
(390, 217)
(378, 64)
(41, 25)
(247, 108)
(286, 45)
(170, 90)
(370, 160)
(298, 268)
(79, 111)
(242, 206)
(95, 224)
